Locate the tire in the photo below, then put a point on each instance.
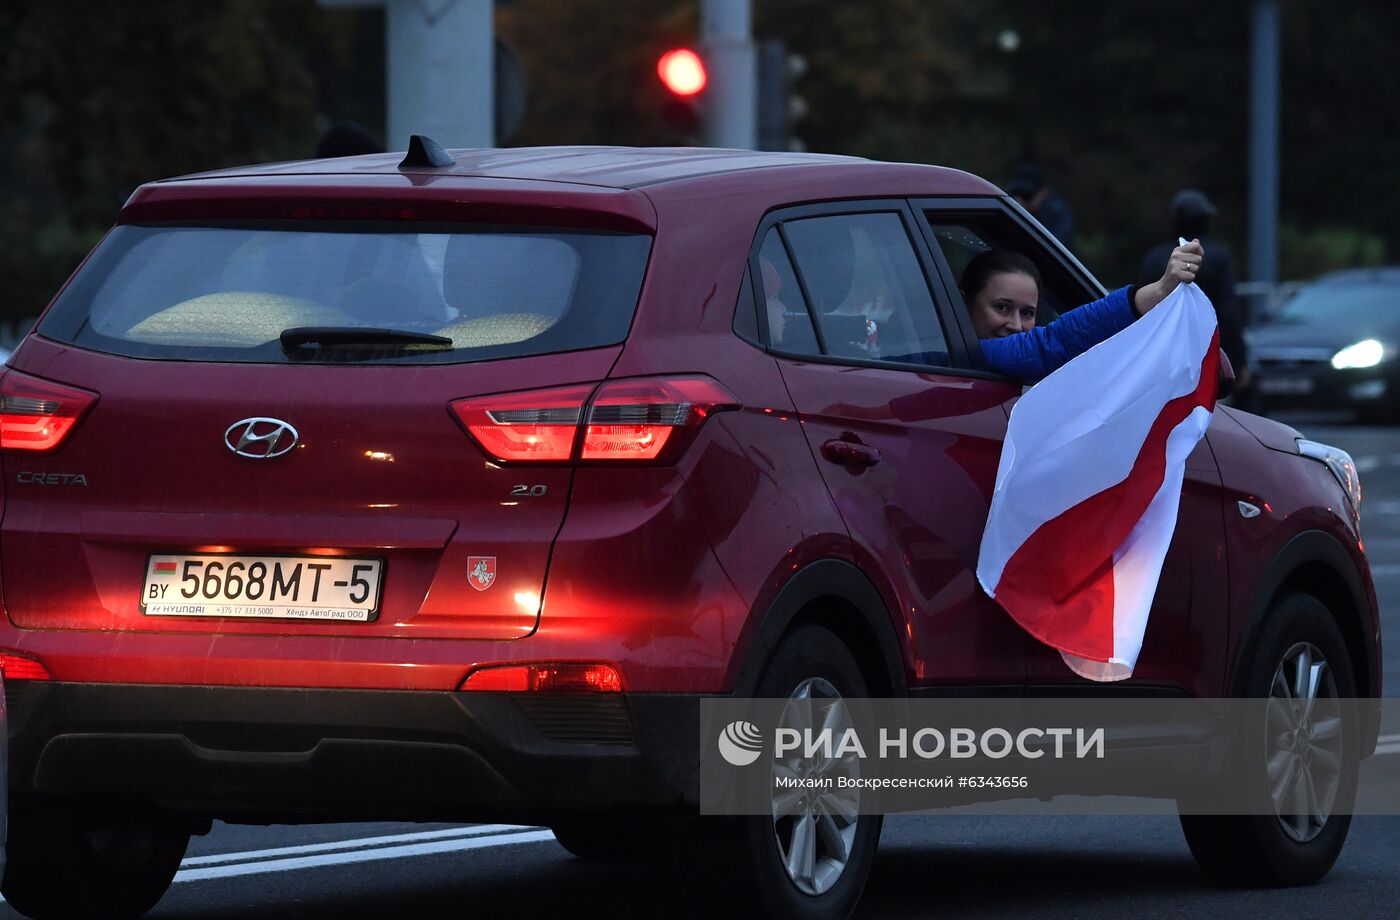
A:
(752, 847)
(1269, 849)
(73, 860)
(607, 838)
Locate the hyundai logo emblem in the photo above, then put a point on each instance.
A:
(260, 438)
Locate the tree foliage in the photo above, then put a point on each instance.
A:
(1120, 101)
(1107, 98)
(592, 67)
(98, 98)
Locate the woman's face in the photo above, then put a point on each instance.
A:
(1004, 306)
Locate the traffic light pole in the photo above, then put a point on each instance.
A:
(731, 104)
(440, 69)
(1264, 147)
(772, 95)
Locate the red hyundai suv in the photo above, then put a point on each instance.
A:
(446, 489)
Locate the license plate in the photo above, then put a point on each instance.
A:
(1286, 386)
(275, 587)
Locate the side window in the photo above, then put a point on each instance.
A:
(789, 324)
(868, 292)
(963, 237)
(746, 312)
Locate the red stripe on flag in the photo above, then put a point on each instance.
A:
(165, 566)
(1059, 583)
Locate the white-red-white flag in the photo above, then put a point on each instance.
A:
(1089, 484)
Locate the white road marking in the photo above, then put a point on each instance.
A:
(359, 843)
(1366, 464)
(425, 848)
(405, 846)
(1387, 507)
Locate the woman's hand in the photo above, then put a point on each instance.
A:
(1183, 266)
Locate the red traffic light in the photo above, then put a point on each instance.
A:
(682, 71)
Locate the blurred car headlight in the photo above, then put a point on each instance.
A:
(1365, 353)
(1341, 465)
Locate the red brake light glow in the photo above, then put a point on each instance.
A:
(18, 667)
(559, 678)
(632, 420)
(536, 425)
(636, 419)
(36, 415)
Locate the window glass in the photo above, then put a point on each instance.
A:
(789, 324)
(868, 292)
(961, 238)
(1349, 304)
(746, 312)
(228, 293)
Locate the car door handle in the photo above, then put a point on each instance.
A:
(850, 453)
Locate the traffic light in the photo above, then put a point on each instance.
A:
(682, 72)
(779, 107)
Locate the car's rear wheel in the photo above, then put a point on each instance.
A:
(1302, 788)
(69, 860)
(811, 856)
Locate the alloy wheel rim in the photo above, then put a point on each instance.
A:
(815, 824)
(1304, 734)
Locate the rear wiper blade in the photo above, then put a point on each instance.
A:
(355, 337)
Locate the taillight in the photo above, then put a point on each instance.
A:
(650, 418)
(635, 420)
(18, 667)
(36, 415)
(538, 425)
(358, 212)
(558, 678)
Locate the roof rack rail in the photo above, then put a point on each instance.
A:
(424, 151)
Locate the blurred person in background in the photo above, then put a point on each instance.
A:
(1191, 213)
(1028, 186)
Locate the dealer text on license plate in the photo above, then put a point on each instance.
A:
(290, 587)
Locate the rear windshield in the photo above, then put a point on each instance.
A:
(431, 294)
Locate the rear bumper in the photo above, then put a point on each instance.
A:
(295, 755)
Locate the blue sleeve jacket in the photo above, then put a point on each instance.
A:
(1044, 349)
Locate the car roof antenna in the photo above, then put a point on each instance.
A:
(424, 151)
